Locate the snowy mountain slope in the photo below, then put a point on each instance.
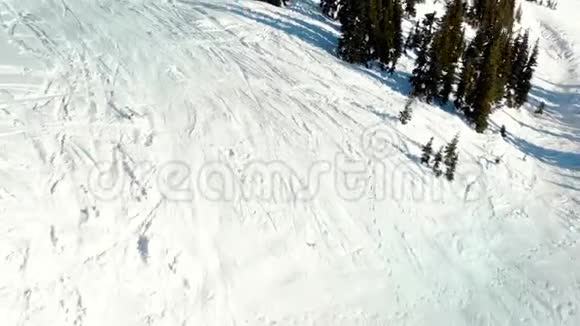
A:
(169, 91)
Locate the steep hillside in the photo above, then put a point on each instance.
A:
(133, 134)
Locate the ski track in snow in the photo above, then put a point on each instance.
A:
(127, 82)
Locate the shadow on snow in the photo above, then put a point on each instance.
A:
(316, 36)
(566, 160)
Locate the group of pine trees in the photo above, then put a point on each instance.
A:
(495, 67)
(439, 44)
(446, 155)
(371, 32)
(331, 8)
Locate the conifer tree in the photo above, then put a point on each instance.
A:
(406, 115)
(451, 157)
(446, 50)
(500, 13)
(519, 58)
(494, 66)
(437, 160)
(472, 62)
(385, 18)
(504, 14)
(533, 60)
(523, 65)
(427, 152)
(330, 8)
(420, 78)
(482, 97)
(410, 8)
(436, 70)
(421, 32)
(450, 75)
(483, 78)
(466, 81)
(412, 42)
(519, 14)
(398, 41)
(525, 81)
(354, 45)
(502, 76)
(479, 10)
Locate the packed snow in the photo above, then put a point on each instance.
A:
(133, 134)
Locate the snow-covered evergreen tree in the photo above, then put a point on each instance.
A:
(407, 113)
(437, 160)
(451, 157)
(427, 151)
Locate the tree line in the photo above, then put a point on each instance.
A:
(494, 68)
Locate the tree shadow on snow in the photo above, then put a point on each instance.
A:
(397, 81)
(566, 160)
(314, 12)
(316, 36)
(570, 135)
(301, 29)
(384, 116)
(566, 186)
(568, 181)
(561, 119)
(562, 108)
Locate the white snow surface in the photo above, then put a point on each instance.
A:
(123, 124)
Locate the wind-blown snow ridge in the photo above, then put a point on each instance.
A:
(160, 92)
